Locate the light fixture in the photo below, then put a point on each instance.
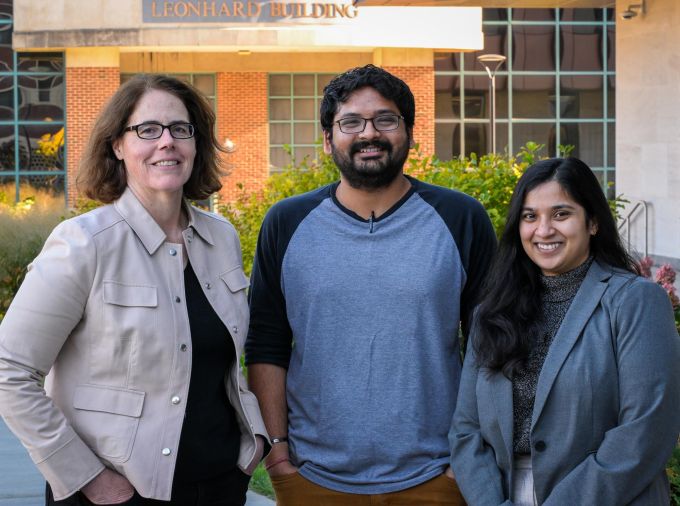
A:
(229, 145)
(492, 62)
(633, 10)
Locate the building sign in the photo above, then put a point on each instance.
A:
(274, 24)
(247, 11)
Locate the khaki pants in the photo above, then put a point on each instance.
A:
(294, 490)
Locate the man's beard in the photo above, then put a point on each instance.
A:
(371, 174)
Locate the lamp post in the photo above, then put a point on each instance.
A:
(491, 63)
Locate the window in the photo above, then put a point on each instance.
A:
(556, 87)
(32, 102)
(205, 83)
(294, 116)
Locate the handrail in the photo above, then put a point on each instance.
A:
(627, 220)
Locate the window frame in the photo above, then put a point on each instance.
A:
(293, 146)
(606, 23)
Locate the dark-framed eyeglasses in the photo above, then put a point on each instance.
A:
(356, 124)
(152, 130)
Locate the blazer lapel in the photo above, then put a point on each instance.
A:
(501, 389)
(582, 307)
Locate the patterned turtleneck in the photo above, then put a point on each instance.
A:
(558, 292)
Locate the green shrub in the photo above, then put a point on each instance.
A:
(490, 179)
(24, 226)
(248, 210)
(673, 471)
(261, 483)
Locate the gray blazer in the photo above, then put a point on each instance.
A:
(607, 410)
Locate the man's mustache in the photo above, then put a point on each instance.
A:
(358, 146)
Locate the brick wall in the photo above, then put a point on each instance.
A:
(242, 117)
(87, 90)
(421, 82)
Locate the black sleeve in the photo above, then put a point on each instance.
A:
(270, 337)
(477, 246)
(474, 236)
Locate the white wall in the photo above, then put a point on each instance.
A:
(648, 122)
(38, 15)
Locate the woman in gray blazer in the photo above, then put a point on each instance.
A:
(570, 393)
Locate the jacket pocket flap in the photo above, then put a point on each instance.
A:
(109, 400)
(130, 295)
(235, 279)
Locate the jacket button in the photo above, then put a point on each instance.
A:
(172, 252)
(175, 400)
(235, 329)
(207, 286)
(166, 451)
(177, 299)
(540, 446)
(183, 347)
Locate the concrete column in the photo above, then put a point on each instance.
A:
(648, 122)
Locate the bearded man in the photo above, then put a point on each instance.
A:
(357, 294)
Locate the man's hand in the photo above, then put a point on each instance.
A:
(281, 469)
(278, 463)
(108, 487)
(268, 383)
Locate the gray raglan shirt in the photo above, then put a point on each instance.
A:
(365, 316)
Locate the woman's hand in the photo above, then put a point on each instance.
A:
(259, 453)
(108, 487)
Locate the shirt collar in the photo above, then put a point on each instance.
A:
(145, 227)
(200, 226)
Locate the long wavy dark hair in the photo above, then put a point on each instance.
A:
(507, 317)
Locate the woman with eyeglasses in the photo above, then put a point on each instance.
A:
(134, 315)
(570, 392)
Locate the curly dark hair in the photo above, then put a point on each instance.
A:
(102, 176)
(390, 87)
(507, 316)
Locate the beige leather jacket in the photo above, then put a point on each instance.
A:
(102, 310)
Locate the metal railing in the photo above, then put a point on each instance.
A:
(626, 221)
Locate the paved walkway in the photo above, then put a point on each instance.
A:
(22, 485)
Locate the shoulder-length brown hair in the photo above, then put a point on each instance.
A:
(103, 177)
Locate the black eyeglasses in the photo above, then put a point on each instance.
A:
(151, 130)
(356, 125)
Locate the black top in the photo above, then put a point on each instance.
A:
(210, 439)
(558, 293)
